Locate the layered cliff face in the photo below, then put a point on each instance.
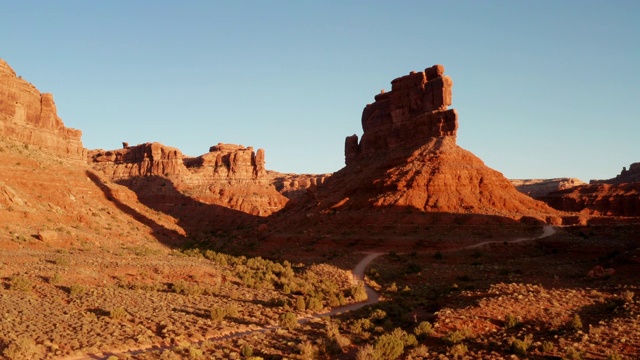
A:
(407, 163)
(231, 176)
(618, 196)
(537, 188)
(30, 117)
(412, 113)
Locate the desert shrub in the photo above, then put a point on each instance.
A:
(576, 323)
(572, 354)
(457, 336)
(458, 350)
(118, 313)
(423, 330)
(358, 293)
(55, 279)
(333, 300)
(246, 350)
(361, 326)
(419, 352)
(189, 289)
(308, 351)
(520, 347)
(62, 261)
(231, 310)
(378, 315)
(300, 304)
(510, 321)
(76, 290)
(314, 304)
(20, 283)
(627, 295)
(23, 348)
(389, 346)
(217, 313)
(547, 346)
(438, 255)
(288, 320)
(366, 352)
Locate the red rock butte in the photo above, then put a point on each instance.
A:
(407, 160)
(414, 111)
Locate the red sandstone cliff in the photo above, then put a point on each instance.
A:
(231, 176)
(30, 117)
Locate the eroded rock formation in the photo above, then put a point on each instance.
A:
(141, 160)
(30, 117)
(231, 176)
(414, 111)
(407, 170)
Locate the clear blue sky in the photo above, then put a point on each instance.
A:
(543, 88)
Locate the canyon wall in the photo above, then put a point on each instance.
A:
(31, 118)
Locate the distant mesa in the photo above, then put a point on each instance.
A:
(30, 117)
(537, 188)
(618, 196)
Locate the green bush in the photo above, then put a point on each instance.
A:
(388, 347)
(547, 346)
(20, 283)
(358, 293)
(458, 350)
(366, 352)
(423, 330)
(510, 321)
(300, 304)
(456, 336)
(246, 350)
(576, 323)
(288, 320)
(23, 348)
(572, 354)
(217, 313)
(76, 290)
(520, 347)
(118, 313)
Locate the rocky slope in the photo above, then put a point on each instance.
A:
(30, 117)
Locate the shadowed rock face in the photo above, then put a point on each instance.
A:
(31, 118)
(232, 176)
(618, 196)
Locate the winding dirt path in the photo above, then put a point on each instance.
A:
(547, 230)
(358, 277)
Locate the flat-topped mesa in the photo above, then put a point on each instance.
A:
(234, 161)
(148, 159)
(414, 111)
(30, 117)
